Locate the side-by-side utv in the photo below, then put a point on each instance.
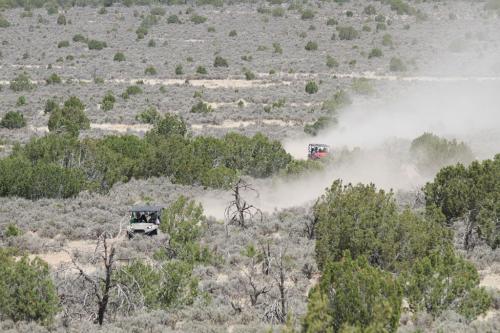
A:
(144, 220)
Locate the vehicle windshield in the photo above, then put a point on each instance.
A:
(145, 217)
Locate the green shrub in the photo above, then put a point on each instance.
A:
(220, 62)
(132, 90)
(431, 152)
(339, 100)
(179, 70)
(380, 18)
(13, 120)
(375, 53)
(366, 222)
(249, 75)
(4, 23)
(173, 19)
(149, 116)
(119, 56)
(21, 101)
(401, 7)
(370, 10)
(26, 290)
(331, 62)
(332, 21)
(95, 44)
(167, 286)
(381, 27)
(51, 8)
(347, 33)
(387, 40)
(61, 19)
(278, 12)
(12, 231)
(198, 19)
(277, 48)
(364, 297)
(397, 65)
(311, 87)
(201, 70)
(62, 44)
(141, 32)
(50, 105)
(320, 124)
(307, 14)
(150, 70)
(21, 83)
(311, 46)
(108, 101)
(158, 11)
(170, 125)
(362, 86)
(53, 79)
(471, 194)
(70, 118)
(445, 281)
(79, 38)
(233, 33)
(201, 107)
(151, 43)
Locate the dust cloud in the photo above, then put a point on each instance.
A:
(379, 130)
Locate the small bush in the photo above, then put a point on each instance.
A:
(70, 118)
(198, 19)
(132, 90)
(277, 48)
(61, 20)
(151, 43)
(347, 33)
(249, 75)
(320, 124)
(397, 65)
(387, 40)
(13, 120)
(173, 19)
(3, 22)
(96, 44)
(375, 53)
(380, 18)
(50, 105)
(307, 14)
(381, 27)
(158, 11)
(331, 62)
(119, 56)
(21, 101)
(79, 38)
(62, 44)
(53, 79)
(362, 86)
(220, 62)
(12, 231)
(141, 32)
(21, 83)
(311, 87)
(201, 107)
(332, 21)
(150, 70)
(201, 70)
(233, 33)
(108, 101)
(278, 12)
(149, 116)
(311, 46)
(179, 70)
(370, 10)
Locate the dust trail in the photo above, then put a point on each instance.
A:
(381, 131)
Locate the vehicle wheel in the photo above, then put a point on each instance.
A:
(154, 233)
